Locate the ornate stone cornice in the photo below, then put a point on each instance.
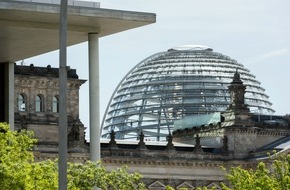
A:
(41, 82)
(178, 163)
(259, 131)
(43, 71)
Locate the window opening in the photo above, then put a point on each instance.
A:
(55, 105)
(38, 104)
(21, 103)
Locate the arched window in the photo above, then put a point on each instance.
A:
(38, 104)
(55, 104)
(21, 103)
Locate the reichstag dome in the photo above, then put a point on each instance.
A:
(175, 84)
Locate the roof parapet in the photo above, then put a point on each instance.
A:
(88, 4)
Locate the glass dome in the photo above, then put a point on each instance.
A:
(171, 85)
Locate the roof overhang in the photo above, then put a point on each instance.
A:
(28, 28)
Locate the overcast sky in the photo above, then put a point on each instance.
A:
(255, 33)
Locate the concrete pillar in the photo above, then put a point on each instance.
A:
(62, 120)
(94, 97)
(9, 95)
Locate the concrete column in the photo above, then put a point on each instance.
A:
(9, 104)
(94, 97)
(62, 120)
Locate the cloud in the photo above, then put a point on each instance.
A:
(269, 55)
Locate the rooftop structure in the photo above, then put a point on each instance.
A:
(32, 70)
(30, 27)
(37, 104)
(175, 84)
(191, 157)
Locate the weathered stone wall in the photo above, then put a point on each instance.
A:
(31, 86)
(44, 133)
(243, 140)
(159, 172)
(32, 81)
(265, 137)
(241, 143)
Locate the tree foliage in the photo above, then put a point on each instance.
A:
(86, 176)
(15, 157)
(19, 171)
(275, 176)
(261, 178)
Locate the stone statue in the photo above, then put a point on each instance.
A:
(23, 122)
(141, 144)
(112, 135)
(75, 132)
(197, 147)
(141, 136)
(225, 148)
(197, 141)
(169, 145)
(113, 143)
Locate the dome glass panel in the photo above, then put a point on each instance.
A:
(171, 85)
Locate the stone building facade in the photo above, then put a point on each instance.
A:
(37, 104)
(183, 161)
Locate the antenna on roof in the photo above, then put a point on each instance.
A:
(22, 62)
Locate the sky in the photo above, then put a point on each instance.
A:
(255, 33)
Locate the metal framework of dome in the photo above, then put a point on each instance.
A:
(175, 84)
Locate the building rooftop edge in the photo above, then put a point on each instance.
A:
(77, 3)
(42, 19)
(43, 71)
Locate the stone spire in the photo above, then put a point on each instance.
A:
(225, 148)
(237, 92)
(237, 113)
(169, 146)
(141, 144)
(112, 143)
(197, 146)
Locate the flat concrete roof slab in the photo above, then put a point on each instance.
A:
(28, 28)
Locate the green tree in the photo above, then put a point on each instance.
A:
(15, 157)
(19, 171)
(86, 176)
(44, 175)
(261, 178)
(198, 188)
(274, 177)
